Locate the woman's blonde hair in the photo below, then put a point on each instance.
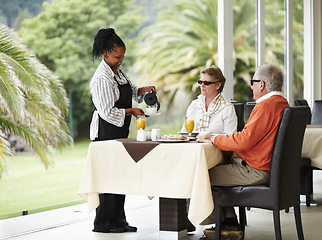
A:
(216, 76)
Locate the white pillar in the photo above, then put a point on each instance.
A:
(225, 45)
(260, 35)
(288, 52)
(312, 50)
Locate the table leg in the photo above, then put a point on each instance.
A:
(173, 216)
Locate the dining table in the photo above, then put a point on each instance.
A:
(174, 171)
(312, 145)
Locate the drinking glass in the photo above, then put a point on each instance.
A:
(189, 124)
(140, 122)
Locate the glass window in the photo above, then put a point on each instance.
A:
(274, 32)
(298, 48)
(244, 28)
(274, 39)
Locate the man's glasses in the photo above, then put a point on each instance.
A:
(205, 82)
(252, 81)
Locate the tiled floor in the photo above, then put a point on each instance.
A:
(74, 223)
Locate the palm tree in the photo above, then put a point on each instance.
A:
(179, 45)
(185, 40)
(33, 102)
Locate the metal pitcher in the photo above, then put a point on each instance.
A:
(151, 99)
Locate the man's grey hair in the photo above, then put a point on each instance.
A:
(271, 75)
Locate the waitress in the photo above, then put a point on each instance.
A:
(112, 94)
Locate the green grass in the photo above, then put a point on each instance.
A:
(33, 188)
(30, 186)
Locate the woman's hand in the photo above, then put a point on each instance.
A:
(205, 138)
(134, 111)
(150, 89)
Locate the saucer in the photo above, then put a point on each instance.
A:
(153, 114)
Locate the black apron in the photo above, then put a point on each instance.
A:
(108, 131)
(110, 212)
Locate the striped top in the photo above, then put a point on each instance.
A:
(105, 92)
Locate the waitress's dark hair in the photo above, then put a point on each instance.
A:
(105, 40)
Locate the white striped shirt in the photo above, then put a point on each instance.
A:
(105, 93)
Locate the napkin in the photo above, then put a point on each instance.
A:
(137, 150)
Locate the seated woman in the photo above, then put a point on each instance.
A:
(211, 112)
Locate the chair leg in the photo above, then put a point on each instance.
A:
(306, 179)
(277, 225)
(218, 223)
(242, 219)
(298, 221)
(308, 200)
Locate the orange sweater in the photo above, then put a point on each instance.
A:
(255, 143)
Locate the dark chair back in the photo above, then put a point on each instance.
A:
(317, 113)
(283, 188)
(300, 102)
(239, 108)
(285, 164)
(249, 108)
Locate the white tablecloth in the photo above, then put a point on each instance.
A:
(172, 170)
(312, 145)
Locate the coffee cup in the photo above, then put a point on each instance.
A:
(150, 110)
(148, 136)
(156, 134)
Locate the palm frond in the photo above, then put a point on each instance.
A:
(4, 153)
(33, 100)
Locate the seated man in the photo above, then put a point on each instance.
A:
(253, 145)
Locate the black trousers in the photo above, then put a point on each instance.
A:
(110, 212)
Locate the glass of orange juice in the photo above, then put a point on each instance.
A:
(140, 122)
(189, 124)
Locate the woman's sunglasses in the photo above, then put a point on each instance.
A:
(205, 82)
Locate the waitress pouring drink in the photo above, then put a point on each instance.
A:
(112, 94)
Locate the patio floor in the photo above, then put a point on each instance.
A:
(74, 223)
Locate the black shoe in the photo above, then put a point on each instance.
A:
(190, 226)
(110, 230)
(231, 232)
(117, 230)
(123, 223)
(129, 228)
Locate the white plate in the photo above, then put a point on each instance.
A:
(173, 141)
(153, 114)
(193, 134)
